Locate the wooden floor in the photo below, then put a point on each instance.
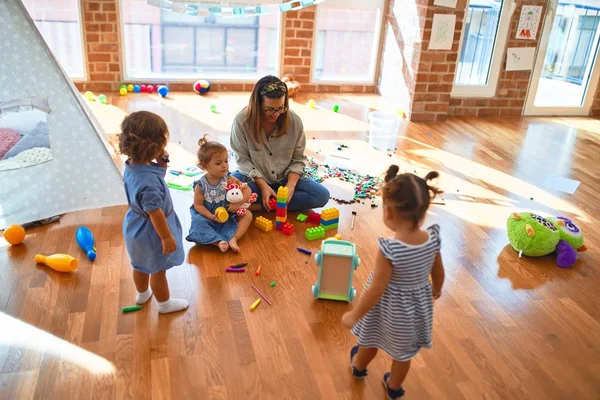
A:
(505, 328)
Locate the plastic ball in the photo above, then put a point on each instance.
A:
(312, 103)
(89, 95)
(130, 88)
(103, 99)
(150, 89)
(163, 91)
(201, 86)
(143, 88)
(213, 108)
(137, 89)
(336, 108)
(123, 86)
(123, 91)
(400, 113)
(14, 234)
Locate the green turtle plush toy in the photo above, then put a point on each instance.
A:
(536, 236)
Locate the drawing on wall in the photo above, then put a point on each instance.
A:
(529, 22)
(442, 32)
(520, 58)
(445, 3)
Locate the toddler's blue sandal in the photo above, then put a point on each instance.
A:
(355, 372)
(390, 393)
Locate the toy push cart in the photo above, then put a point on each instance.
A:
(337, 261)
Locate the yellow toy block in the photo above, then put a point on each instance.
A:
(329, 214)
(282, 193)
(263, 224)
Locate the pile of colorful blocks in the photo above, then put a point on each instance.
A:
(281, 208)
(330, 218)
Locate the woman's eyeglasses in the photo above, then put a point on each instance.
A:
(273, 111)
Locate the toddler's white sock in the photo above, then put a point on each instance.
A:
(141, 298)
(172, 305)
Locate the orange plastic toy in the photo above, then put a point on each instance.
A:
(58, 262)
(14, 234)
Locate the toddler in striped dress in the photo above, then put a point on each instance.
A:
(395, 312)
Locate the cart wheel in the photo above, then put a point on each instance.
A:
(318, 258)
(314, 290)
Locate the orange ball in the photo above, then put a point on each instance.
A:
(14, 234)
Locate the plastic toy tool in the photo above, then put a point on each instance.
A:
(85, 240)
(58, 262)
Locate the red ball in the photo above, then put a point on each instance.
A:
(144, 88)
(150, 88)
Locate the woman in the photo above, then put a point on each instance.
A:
(268, 140)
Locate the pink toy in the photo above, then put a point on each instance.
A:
(150, 88)
(234, 196)
(144, 88)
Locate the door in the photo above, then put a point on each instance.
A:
(566, 70)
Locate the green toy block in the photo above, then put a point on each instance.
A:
(315, 233)
(302, 217)
(328, 227)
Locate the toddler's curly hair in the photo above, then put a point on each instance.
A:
(143, 136)
(206, 149)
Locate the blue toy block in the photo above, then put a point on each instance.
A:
(330, 222)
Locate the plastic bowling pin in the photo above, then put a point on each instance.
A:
(58, 262)
(85, 240)
(222, 214)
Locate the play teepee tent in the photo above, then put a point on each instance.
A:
(59, 163)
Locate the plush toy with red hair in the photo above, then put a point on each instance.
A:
(235, 195)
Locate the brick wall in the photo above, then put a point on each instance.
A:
(512, 85)
(102, 45)
(422, 79)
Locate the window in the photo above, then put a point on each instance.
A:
(347, 40)
(482, 46)
(59, 22)
(168, 45)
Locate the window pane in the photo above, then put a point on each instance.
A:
(60, 25)
(164, 44)
(480, 35)
(346, 41)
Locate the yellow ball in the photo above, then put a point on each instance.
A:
(123, 91)
(130, 88)
(89, 95)
(14, 234)
(312, 103)
(338, 236)
(400, 113)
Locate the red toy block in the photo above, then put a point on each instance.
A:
(273, 203)
(314, 218)
(281, 212)
(287, 228)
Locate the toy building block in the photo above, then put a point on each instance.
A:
(315, 233)
(314, 217)
(331, 224)
(272, 203)
(263, 224)
(281, 212)
(301, 217)
(330, 214)
(337, 261)
(282, 194)
(287, 228)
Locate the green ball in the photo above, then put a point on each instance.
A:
(336, 108)
(123, 87)
(103, 99)
(272, 283)
(213, 108)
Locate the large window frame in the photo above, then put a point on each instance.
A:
(377, 45)
(502, 33)
(176, 77)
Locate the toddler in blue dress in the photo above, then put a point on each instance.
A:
(151, 228)
(210, 193)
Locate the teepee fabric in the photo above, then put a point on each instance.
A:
(81, 173)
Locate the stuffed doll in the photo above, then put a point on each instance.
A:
(536, 236)
(235, 195)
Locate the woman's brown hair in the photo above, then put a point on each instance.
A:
(409, 194)
(207, 149)
(143, 136)
(273, 88)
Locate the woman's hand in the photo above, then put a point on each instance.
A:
(349, 320)
(163, 160)
(169, 245)
(291, 190)
(267, 192)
